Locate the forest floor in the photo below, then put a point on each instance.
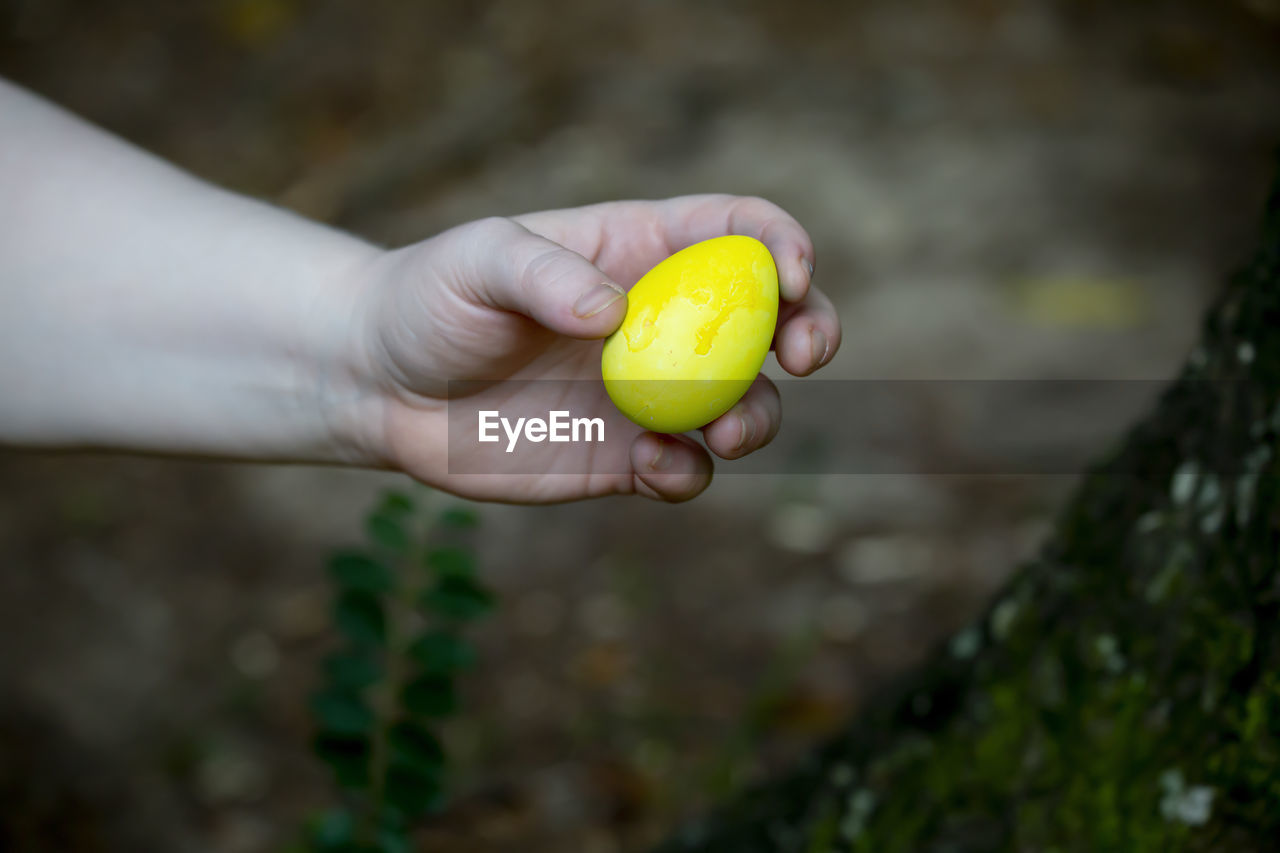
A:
(997, 190)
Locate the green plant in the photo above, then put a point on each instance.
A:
(400, 605)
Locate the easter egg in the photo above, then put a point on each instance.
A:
(696, 334)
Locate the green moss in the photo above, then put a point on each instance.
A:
(1123, 692)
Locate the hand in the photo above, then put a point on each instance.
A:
(144, 310)
(531, 298)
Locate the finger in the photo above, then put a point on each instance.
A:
(629, 237)
(514, 269)
(749, 425)
(669, 467)
(691, 219)
(808, 334)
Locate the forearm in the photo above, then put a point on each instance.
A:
(143, 309)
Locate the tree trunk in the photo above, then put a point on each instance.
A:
(1123, 691)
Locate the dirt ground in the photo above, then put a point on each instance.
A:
(997, 190)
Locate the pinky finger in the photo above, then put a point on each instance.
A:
(669, 467)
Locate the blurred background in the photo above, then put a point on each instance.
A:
(997, 189)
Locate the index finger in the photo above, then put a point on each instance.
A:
(629, 237)
(690, 219)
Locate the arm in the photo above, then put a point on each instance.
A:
(141, 308)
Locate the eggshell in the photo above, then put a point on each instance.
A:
(696, 334)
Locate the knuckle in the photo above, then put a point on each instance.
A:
(542, 268)
(758, 206)
(493, 227)
(489, 241)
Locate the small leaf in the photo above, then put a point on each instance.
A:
(411, 789)
(391, 841)
(352, 671)
(387, 531)
(429, 696)
(451, 561)
(395, 504)
(347, 757)
(459, 518)
(332, 831)
(359, 616)
(442, 653)
(394, 821)
(353, 570)
(342, 712)
(458, 598)
(414, 745)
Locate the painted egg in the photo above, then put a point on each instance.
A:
(696, 334)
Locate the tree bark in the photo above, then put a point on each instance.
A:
(1122, 692)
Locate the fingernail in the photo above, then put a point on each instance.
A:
(820, 347)
(746, 431)
(660, 458)
(597, 299)
(808, 265)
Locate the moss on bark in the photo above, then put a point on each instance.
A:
(1122, 692)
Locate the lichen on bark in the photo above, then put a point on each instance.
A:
(1122, 692)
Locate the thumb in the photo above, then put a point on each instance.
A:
(517, 270)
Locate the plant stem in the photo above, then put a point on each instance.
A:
(400, 632)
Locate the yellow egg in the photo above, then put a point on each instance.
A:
(697, 331)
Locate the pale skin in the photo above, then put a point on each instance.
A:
(144, 310)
